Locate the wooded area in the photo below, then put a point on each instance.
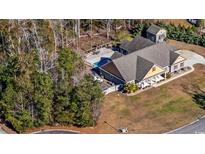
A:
(42, 80)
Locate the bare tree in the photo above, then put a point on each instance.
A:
(108, 28)
(54, 35)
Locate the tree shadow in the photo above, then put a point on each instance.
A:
(198, 95)
(199, 99)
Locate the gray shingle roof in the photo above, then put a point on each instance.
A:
(143, 66)
(111, 68)
(153, 29)
(136, 65)
(116, 55)
(173, 57)
(136, 44)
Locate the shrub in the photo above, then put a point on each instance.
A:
(130, 88)
(168, 76)
(123, 35)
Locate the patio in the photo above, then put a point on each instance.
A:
(149, 82)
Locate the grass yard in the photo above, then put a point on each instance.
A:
(157, 110)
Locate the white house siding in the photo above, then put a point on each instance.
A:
(173, 68)
(159, 34)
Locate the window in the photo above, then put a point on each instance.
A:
(175, 67)
(181, 64)
(153, 69)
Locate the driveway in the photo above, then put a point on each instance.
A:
(192, 57)
(197, 127)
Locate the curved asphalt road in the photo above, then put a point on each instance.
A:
(197, 127)
(2, 132)
(56, 132)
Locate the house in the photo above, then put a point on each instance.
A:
(137, 43)
(143, 66)
(156, 34)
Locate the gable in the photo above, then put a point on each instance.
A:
(161, 31)
(154, 71)
(111, 68)
(143, 66)
(179, 59)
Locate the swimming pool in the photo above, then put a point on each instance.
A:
(101, 62)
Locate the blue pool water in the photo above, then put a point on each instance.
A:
(101, 62)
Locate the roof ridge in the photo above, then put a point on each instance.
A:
(140, 50)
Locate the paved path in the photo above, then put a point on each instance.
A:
(197, 127)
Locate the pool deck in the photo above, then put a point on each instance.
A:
(92, 58)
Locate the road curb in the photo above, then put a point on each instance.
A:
(46, 130)
(185, 125)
